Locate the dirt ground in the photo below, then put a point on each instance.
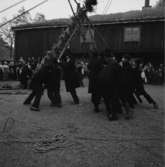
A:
(75, 136)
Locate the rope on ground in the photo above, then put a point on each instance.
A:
(42, 145)
(57, 142)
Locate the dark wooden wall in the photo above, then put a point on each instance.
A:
(151, 38)
(34, 42)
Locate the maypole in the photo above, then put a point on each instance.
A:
(79, 17)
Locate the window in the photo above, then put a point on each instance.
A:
(132, 34)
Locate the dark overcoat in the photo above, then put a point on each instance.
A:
(108, 80)
(95, 66)
(54, 77)
(39, 78)
(71, 76)
(25, 74)
(127, 82)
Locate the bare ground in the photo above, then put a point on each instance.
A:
(75, 136)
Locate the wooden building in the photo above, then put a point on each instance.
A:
(139, 33)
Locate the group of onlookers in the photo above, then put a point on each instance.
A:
(15, 70)
(153, 75)
(10, 70)
(5, 71)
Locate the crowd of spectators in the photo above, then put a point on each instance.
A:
(21, 70)
(150, 74)
(153, 74)
(17, 70)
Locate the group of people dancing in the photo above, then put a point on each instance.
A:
(117, 82)
(48, 76)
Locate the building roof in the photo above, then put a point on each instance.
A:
(131, 16)
(145, 15)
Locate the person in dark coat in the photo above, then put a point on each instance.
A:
(37, 86)
(53, 84)
(71, 78)
(107, 86)
(139, 87)
(95, 65)
(137, 79)
(25, 74)
(127, 84)
(79, 67)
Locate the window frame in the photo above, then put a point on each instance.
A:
(132, 37)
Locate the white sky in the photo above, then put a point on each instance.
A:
(60, 8)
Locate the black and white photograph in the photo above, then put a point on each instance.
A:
(82, 83)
